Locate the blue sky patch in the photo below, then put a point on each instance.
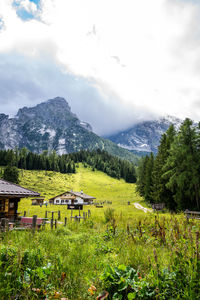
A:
(22, 12)
(24, 15)
(37, 2)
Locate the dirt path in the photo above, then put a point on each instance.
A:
(139, 206)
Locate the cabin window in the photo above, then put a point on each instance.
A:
(12, 204)
(62, 201)
(66, 201)
(75, 201)
(57, 201)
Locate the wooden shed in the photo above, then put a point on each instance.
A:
(10, 195)
(38, 201)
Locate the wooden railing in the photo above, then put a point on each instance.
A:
(192, 214)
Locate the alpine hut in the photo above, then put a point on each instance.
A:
(10, 195)
(73, 200)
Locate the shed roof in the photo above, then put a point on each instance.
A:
(82, 195)
(10, 189)
(78, 194)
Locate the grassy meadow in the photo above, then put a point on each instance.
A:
(119, 252)
(97, 184)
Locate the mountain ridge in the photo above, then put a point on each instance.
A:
(51, 125)
(144, 137)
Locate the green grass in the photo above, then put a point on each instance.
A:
(94, 183)
(162, 250)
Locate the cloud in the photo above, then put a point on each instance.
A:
(126, 59)
(36, 80)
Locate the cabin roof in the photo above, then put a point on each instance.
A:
(10, 189)
(78, 194)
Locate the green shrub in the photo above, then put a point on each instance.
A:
(124, 283)
(109, 214)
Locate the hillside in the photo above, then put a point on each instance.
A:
(94, 183)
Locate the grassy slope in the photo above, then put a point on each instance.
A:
(82, 251)
(97, 184)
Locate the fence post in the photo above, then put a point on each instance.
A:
(83, 215)
(89, 213)
(7, 225)
(34, 222)
(3, 224)
(55, 224)
(59, 215)
(128, 229)
(51, 223)
(52, 214)
(46, 213)
(65, 221)
(24, 213)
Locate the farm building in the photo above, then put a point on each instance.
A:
(38, 201)
(10, 195)
(71, 198)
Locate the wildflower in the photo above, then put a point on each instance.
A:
(91, 291)
(36, 290)
(57, 295)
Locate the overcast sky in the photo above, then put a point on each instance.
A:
(115, 61)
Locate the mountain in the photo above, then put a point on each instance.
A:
(144, 137)
(52, 126)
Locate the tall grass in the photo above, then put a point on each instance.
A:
(130, 254)
(65, 262)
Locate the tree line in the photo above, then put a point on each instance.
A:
(173, 175)
(107, 163)
(66, 163)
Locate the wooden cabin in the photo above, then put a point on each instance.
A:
(38, 201)
(158, 206)
(74, 200)
(10, 195)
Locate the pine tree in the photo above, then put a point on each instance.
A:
(149, 179)
(11, 173)
(182, 167)
(141, 175)
(160, 193)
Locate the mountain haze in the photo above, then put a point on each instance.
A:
(145, 136)
(52, 126)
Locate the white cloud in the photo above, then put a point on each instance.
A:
(143, 53)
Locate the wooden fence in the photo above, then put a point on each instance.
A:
(39, 223)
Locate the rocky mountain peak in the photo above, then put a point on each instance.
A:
(145, 136)
(3, 117)
(51, 125)
(55, 107)
(58, 103)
